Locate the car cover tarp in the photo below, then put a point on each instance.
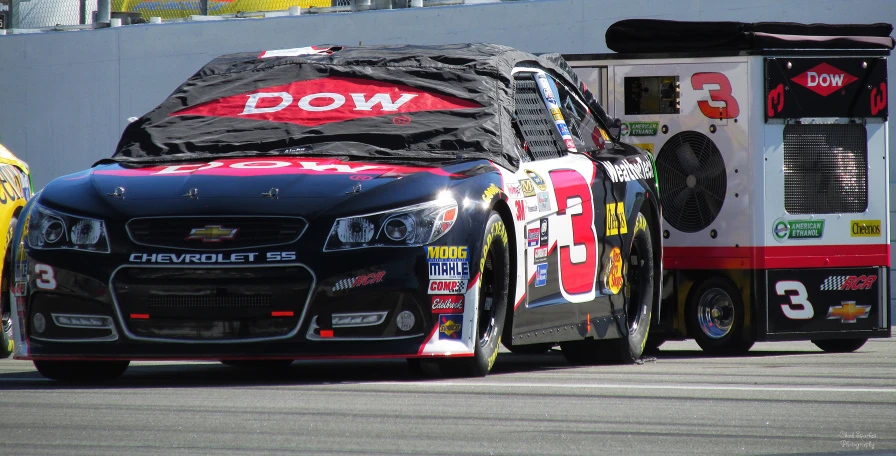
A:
(655, 35)
(477, 77)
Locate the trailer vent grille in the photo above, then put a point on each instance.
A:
(825, 168)
(532, 116)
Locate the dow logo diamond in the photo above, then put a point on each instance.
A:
(824, 79)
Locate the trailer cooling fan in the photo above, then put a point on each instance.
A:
(692, 180)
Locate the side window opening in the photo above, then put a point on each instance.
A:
(534, 120)
(586, 132)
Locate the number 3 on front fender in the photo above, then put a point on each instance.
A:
(578, 251)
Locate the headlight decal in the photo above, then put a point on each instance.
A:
(409, 226)
(48, 229)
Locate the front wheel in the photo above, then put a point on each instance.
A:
(638, 292)
(81, 371)
(491, 307)
(840, 345)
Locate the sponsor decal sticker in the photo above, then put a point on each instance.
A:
(520, 210)
(543, 235)
(848, 283)
(514, 190)
(532, 236)
(614, 273)
(537, 180)
(541, 254)
(544, 202)
(632, 168)
(797, 229)
(528, 187)
(490, 193)
(447, 304)
(451, 327)
(326, 100)
(294, 52)
(616, 223)
(641, 128)
(359, 281)
(212, 233)
(448, 262)
(648, 147)
(438, 287)
(541, 274)
(555, 113)
(569, 144)
(564, 130)
(848, 312)
(864, 228)
(824, 79)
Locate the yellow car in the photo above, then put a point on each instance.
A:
(15, 180)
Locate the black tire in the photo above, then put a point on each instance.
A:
(530, 349)
(81, 371)
(259, 364)
(6, 337)
(840, 345)
(716, 317)
(640, 276)
(491, 310)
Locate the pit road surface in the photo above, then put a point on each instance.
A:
(783, 398)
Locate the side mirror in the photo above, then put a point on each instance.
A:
(616, 128)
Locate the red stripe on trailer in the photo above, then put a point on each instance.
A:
(776, 257)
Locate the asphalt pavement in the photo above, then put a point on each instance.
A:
(783, 398)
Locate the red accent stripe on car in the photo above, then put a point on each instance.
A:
(776, 257)
(283, 313)
(140, 316)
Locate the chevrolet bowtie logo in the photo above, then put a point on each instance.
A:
(212, 233)
(848, 311)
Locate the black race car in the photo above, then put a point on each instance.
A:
(420, 202)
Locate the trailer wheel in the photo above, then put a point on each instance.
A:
(840, 345)
(716, 318)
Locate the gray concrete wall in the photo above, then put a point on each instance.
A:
(65, 96)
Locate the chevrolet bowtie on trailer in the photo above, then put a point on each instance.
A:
(420, 202)
(770, 143)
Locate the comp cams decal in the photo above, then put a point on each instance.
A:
(632, 168)
(448, 262)
(439, 287)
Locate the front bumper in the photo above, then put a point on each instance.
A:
(95, 306)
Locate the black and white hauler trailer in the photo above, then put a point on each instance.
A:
(770, 145)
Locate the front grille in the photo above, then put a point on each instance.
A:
(180, 301)
(215, 233)
(825, 168)
(536, 126)
(208, 304)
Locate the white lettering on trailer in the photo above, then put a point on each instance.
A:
(814, 79)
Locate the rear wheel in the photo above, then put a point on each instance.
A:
(638, 292)
(81, 371)
(491, 308)
(716, 317)
(840, 345)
